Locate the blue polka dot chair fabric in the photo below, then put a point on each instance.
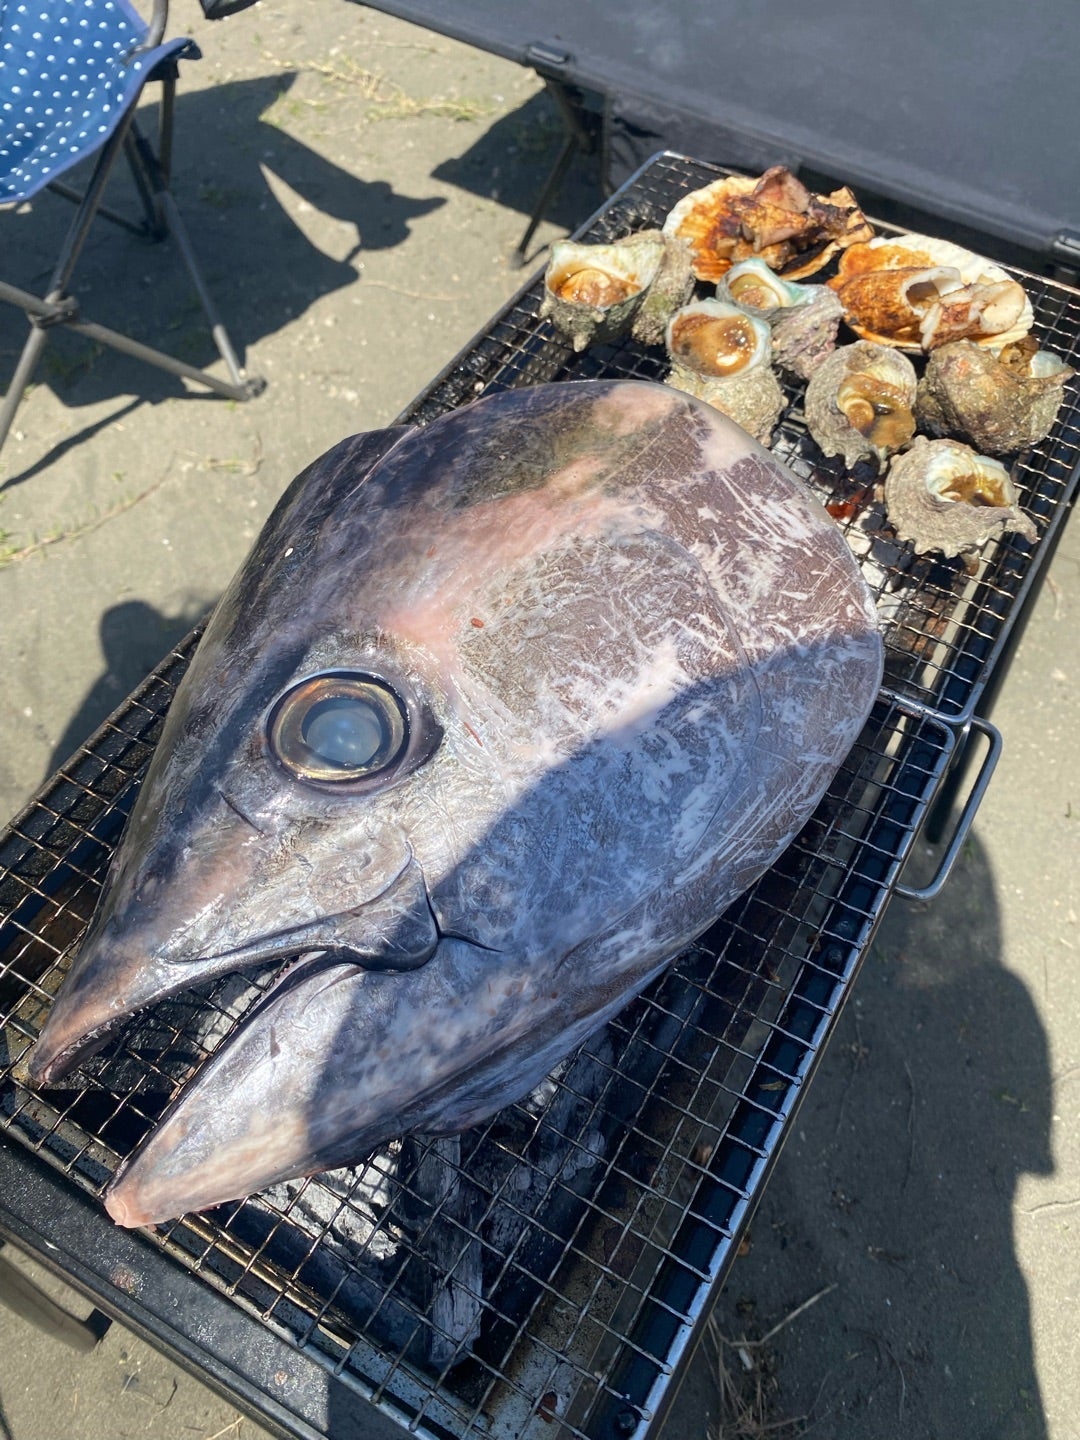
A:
(67, 77)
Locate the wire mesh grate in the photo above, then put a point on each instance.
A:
(944, 620)
(541, 1275)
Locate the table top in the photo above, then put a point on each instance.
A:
(969, 112)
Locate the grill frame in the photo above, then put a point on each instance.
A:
(820, 935)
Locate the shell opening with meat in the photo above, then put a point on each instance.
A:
(757, 289)
(943, 495)
(717, 339)
(804, 320)
(878, 409)
(920, 293)
(591, 292)
(721, 354)
(859, 402)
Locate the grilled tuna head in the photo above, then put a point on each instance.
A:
(498, 715)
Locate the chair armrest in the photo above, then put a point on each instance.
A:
(156, 33)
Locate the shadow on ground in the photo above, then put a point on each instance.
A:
(513, 158)
(134, 639)
(260, 266)
(895, 1194)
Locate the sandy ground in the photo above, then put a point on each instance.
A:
(356, 188)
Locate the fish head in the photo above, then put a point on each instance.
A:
(498, 715)
(425, 709)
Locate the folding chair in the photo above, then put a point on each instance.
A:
(71, 75)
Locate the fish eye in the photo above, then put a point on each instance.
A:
(337, 728)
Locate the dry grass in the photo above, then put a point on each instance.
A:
(745, 1371)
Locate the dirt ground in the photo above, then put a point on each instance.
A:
(355, 188)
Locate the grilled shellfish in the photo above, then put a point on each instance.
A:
(997, 402)
(804, 320)
(759, 290)
(774, 217)
(942, 495)
(919, 292)
(591, 292)
(721, 354)
(671, 287)
(860, 401)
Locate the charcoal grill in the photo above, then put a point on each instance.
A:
(547, 1274)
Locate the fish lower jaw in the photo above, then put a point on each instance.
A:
(50, 1063)
(126, 1214)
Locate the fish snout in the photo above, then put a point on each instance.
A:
(114, 974)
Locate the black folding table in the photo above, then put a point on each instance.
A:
(967, 112)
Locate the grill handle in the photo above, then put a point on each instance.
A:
(992, 735)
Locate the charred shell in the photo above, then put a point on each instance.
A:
(592, 292)
(942, 495)
(859, 402)
(671, 287)
(721, 354)
(997, 402)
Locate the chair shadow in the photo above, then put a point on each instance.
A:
(260, 267)
(897, 1191)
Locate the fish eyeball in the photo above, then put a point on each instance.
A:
(338, 727)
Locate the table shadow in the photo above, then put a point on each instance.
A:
(135, 637)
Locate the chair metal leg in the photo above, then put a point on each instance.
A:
(70, 251)
(75, 238)
(166, 208)
(152, 227)
(66, 313)
(150, 171)
(24, 373)
(217, 327)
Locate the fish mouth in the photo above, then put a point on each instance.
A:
(328, 1065)
(116, 973)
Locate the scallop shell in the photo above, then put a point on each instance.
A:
(774, 217)
(943, 495)
(859, 402)
(721, 354)
(998, 403)
(918, 293)
(591, 292)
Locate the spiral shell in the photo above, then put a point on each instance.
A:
(997, 402)
(942, 495)
(591, 292)
(670, 288)
(721, 354)
(859, 402)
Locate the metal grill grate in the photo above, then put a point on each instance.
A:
(542, 1275)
